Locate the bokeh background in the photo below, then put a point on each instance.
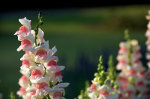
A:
(81, 35)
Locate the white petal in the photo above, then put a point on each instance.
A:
(63, 85)
(25, 22)
(60, 68)
(54, 50)
(40, 33)
(20, 48)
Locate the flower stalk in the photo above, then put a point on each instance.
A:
(41, 75)
(40, 23)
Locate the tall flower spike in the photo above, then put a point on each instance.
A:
(101, 74)
(127, 37)
(41, 75)
(111, 71)
(147, 34)
(131, 81)
(40, 18)
(101, 87)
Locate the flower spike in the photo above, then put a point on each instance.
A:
(41, 75)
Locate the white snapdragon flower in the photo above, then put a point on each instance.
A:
(21, 92)
(25, 29)
(41, 52)
(24, 81)
(40, 36)
(123, 47)
(97, 91)
(31, 91)
(101, 92)
(41, 76)
(26, 43)
(132, 70)
(148, 16)
(145, 94)
(37, 73)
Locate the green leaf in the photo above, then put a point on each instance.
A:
(40, 19)
(12, 95)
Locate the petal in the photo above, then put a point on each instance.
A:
(20, 48)
(25, 22)
(60, 68)
(63, 85)
(40, 33)
(54, 50)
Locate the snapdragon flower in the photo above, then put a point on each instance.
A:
(100, 87)
(131, 80)
(41, 74)
(147, 34)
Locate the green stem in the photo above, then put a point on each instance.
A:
(111, 70)
(130, 54)
(101, 74)
(37, 26)
(127, 38)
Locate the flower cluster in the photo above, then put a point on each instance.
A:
(131, 80)
(41, 75)
(101, 87)
(147, 74)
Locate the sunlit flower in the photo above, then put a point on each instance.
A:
(148, 16)
(100, 87)
(21, 91)
(24, 81)
(132, 71)
(26, 43)
(41, 75)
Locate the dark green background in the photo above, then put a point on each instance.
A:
(81, 35)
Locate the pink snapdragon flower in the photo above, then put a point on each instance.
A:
(93, 87)
(57, 95)
(123, 48)
(147, 74)
(41, 74)
(25, 29)
(132, 71)
(21, 91)
(97, 91)
(24, 81)
(26, 43)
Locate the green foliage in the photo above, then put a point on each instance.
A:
(75, 26)
(111, 69)
(126, 35)
(87, 84)
(112, 75)
(101, 74)
(12, 95)
(84, 93)
(40, 18)
(127, 38)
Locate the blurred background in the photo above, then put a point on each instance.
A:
(81, 35)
